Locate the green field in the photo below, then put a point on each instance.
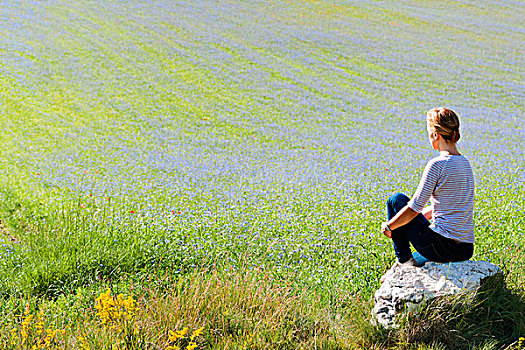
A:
(226, 165)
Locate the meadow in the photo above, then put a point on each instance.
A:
(224, 168)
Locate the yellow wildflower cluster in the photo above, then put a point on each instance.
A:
(117, 319)
(115, 312)
(521, 340)
(117, 315)
(31, 333)
(178, 337)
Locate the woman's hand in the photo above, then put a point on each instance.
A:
(386, 231)
(427, 212)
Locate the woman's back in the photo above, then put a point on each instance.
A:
(448, 183)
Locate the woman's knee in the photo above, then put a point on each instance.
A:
(397, 201)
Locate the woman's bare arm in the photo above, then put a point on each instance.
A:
(403, 217)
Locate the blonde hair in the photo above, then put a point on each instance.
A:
(444, 122)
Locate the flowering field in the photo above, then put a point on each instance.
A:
(148, 139)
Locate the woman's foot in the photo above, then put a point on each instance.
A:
(420, 259)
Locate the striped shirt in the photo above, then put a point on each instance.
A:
(448, 183)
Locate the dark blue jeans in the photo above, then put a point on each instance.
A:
(426, 241)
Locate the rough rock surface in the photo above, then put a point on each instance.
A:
(408, 286)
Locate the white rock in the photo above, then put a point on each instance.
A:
(408, 286)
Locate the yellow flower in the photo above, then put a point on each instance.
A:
(51, 335)
(173, 336)
(114, 311)
(83, 343)
(172, 347)
(191, 346)
(26, 327)
(196, 333)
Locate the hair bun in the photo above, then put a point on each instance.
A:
(444, 122)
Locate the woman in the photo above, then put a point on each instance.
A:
(448, 183)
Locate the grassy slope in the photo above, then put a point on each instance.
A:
(209, 117)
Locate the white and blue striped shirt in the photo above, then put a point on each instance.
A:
(448, 183)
